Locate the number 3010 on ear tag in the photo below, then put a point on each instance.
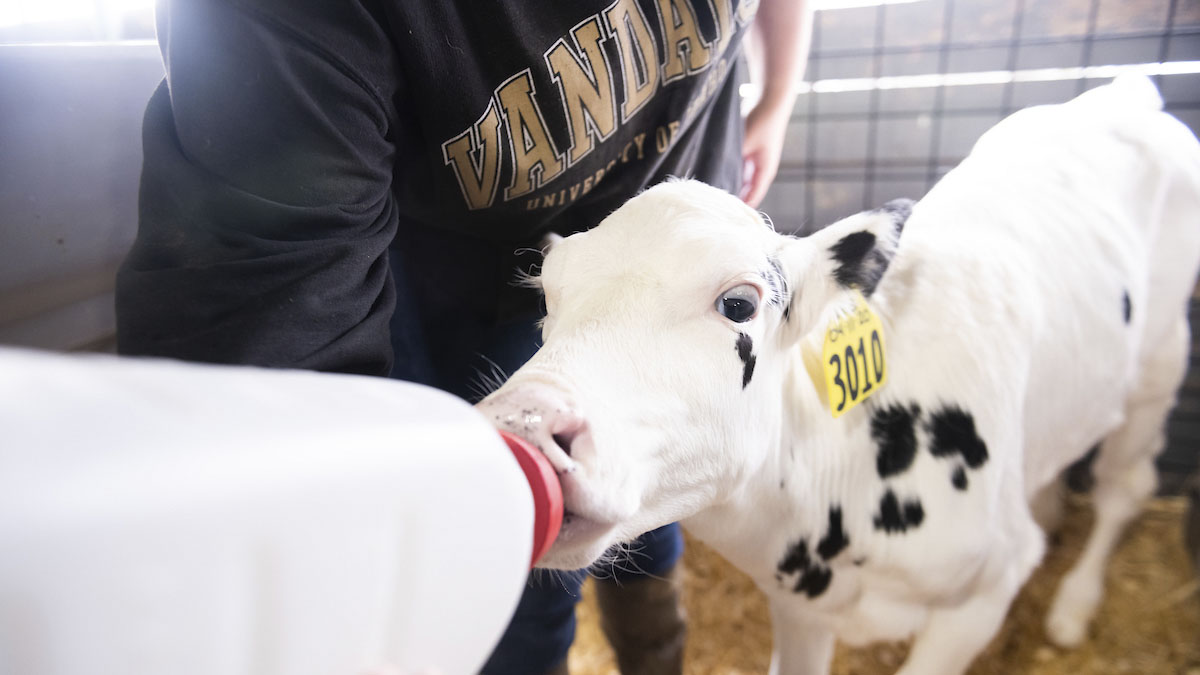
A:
(854, 357)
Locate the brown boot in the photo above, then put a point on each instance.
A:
(645, 623)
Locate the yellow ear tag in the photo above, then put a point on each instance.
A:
(854, 357)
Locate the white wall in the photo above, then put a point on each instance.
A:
(70, 156)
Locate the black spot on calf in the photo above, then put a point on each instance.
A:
(1128, 307)
(814, 578)
(892, 429)
(850, 252)
(860, 263)
(953, 431)
(815, 581)
(959, 478)
(896, 517)
(835, 540)
(745, 346)
(796, 559)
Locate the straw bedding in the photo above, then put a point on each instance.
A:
(1149, 623)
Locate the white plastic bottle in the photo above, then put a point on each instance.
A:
(161, 517)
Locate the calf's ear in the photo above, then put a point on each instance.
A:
(824, 268)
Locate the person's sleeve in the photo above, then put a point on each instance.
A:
(266, 208)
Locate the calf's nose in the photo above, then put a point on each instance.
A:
(540, 415)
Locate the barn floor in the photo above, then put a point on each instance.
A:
(1149, 623)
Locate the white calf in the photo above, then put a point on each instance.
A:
(1033, 304)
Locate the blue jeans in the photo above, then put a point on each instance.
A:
(444, 333)
(543, 626)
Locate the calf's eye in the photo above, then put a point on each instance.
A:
(739, 304)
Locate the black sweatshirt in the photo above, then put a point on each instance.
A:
(294, 142)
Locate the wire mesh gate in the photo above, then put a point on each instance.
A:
(897, 93)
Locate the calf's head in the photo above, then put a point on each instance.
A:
(668, 332)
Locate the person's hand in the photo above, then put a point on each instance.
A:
(785, 29)
(766, 126)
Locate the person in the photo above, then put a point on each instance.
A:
(350, 187)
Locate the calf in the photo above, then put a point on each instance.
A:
(1032, 305)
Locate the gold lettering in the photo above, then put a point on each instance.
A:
(725, 28)
(574, 191)
(474, 155)
(681, 34)
(548, 200)
(584, 80)
(637, 140)
(639, 54)
(535, 160)
(665, 136)
(587, 185)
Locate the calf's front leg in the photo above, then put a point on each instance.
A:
(954, 636)
(802, 645)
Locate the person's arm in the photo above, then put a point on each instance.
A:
(266, 209)
(785, 29)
